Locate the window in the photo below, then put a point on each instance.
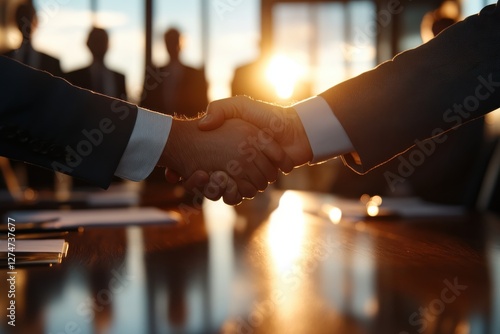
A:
(333, 41)
(64, 27)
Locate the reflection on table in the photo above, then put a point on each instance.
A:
(272, 265)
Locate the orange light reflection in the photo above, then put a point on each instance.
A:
(286, 231)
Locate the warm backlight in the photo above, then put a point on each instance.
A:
(283, 73)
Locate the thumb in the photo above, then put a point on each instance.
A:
(220, 110)
(196, 181)
(214, 117)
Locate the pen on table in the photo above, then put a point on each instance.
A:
(38, 227)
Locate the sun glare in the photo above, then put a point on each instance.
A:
(283, 73)
(286, 231)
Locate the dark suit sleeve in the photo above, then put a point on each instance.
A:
(52, 65)
(48, 122)
(438, 86)
(80, 78)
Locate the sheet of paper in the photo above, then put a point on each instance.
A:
(97, 217)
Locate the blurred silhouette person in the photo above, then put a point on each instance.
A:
(435, 21)
(446, 172)
(26, 20)
(252, 80)
(181, 92)
(183, 89)
(97, 76)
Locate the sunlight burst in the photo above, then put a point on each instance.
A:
(283, 73)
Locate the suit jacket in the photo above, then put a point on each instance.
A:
(186, 91)
(83, 78)
(451, 80)
(446, 171)
(36, 177)
(50, 123)
(39, 60)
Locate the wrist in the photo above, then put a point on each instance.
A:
(300, 150)
(145, 145)
(176, 150)
(327, 138)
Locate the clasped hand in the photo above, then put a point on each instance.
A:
(236, 150)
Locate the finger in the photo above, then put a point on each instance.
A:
(274, 152)
(171, 176)
(267, 169)
(220, 178)
(197, 180)
(232, 196)
(212, 192)
(254, 175)
(216, 187)
(246, 189)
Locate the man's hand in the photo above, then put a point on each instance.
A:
(282, 124)
(236, 157)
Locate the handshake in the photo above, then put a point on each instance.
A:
(236, 150)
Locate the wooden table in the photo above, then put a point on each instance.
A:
(258, 269)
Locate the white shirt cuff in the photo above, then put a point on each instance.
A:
(145, 145)
(326, 135)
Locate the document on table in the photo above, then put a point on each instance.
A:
(96, 217)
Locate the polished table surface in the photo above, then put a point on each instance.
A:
(268, 268)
